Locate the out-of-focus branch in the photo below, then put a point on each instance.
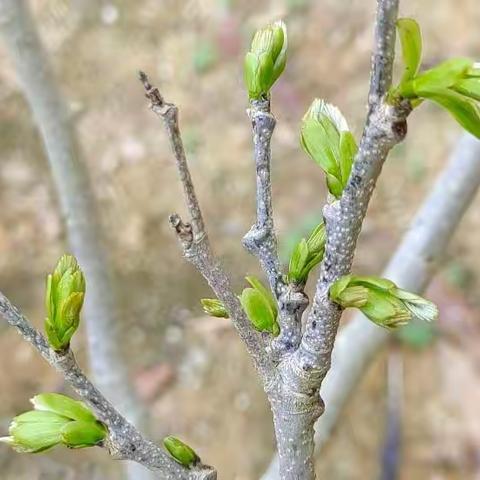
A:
(77, 203)
(124, 441)
(411, 267)
(194, 239)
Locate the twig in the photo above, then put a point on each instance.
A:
(194, 239)
(385, 127)
(261, 239)
(411, 267)
(124, 441)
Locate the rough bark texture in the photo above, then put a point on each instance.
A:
(411, 267)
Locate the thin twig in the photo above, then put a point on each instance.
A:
(194, 239)
(124, 441)
(261, 239)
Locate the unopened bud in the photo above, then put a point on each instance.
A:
(64, 297)
(266, 60)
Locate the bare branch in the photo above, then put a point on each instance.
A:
(385, 127)
(194, 239)
(411, 267)
(124, 441)
(261, 239)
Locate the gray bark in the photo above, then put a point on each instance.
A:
(411, 267)
(77, 203)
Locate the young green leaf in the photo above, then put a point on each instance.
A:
(442, 76)
(348, 150)
(470, 87)
(326, 139)
(35, 432)
(419, 307)
(180, 451)
(411, 41)
(464, 110)
(80, 434)
(214, 307)
(267, 294)
(258, 310)
(62, 405)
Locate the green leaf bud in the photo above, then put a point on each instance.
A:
(81, 434)
(56, 419)
(266, 60)
(180, 451)
(260, 308)
(34, 432)
(214, 307)
(63, 405)
(65, 291)
(381, 300)
(326, 139)
(306, 255)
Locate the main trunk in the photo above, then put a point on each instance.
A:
(294, 431)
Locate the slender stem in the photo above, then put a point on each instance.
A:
(124, 441)
(261, 239)
(194, 239)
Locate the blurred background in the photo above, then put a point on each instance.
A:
(192, 371)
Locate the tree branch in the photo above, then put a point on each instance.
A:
(411, 267)
(194, 239)
(77, 202)
(124, 441)
(385, 127)
(261, 240)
